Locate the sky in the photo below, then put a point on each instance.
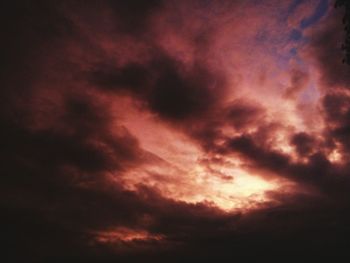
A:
(163, 130)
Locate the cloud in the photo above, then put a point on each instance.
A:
(303, 143)
(326, 49)
(150, 130)
(133, 16)
(299, 80)
(163, 85)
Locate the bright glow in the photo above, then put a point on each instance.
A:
(126, 235)
(177, 168)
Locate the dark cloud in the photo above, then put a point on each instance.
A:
(325, 47)
(27, 29)
(57, 154)
(316, 172)
(303, 143)
(337, 110)
(133, 16)
(263, 157)
(132, 78)
(164, 86)
(62, 157)
(178, 96)
(244, 114)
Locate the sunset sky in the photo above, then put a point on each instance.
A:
(165, 130)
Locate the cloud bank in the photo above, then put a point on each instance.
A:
(151, 130)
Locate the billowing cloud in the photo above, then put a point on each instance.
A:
(145, 130)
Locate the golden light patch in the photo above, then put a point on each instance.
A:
(179, 169)
(126, 235)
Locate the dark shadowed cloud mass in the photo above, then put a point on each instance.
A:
(164, 131)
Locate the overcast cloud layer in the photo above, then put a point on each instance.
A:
(158, 131)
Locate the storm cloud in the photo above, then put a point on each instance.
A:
(140, 131)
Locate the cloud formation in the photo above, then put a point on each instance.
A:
(145, 130)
